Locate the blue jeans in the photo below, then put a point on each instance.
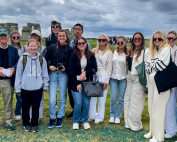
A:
(18, 105)
(120, 86)
(61, 79)
(80, 101)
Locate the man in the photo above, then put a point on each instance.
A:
(52, 38)
(8, 60)
(78, 31)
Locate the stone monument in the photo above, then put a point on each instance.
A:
(9, 26)
(70, 33)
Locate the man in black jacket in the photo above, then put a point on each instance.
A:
(52, 38)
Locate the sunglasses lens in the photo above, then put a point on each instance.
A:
(13, 37)
(154, 39)
(103, 40)
(118, 43)
(18, 37)
(99, 40)
(159, 39)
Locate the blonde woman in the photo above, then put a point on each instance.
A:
(104, 63)
(135, 92)
(158, 61)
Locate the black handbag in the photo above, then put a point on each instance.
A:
(166, 79)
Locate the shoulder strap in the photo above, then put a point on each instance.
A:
(41, 60)
(24, 61)
(144, 53)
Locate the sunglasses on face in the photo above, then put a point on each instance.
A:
(159, 39)
(55, 27)
(120, 43)
(137, 39)
(103, 40)
(16, 37)
(171, 38)
(80, 43)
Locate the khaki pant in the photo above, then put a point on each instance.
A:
(7, 94)
(133, 102)
(156, 106)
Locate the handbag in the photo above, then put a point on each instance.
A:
(93, 88)
(166, 79)
(141, 72)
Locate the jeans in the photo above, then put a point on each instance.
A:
(80, 101)
(18, 105)
(120, 86)
(61, 79)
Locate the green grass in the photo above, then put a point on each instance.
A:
(97, 133)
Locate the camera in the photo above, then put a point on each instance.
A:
(59, 66)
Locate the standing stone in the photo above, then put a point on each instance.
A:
(25, 33)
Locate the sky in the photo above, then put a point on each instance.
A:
(111, 17)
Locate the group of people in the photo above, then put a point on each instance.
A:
(68, 64)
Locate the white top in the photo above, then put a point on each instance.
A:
(104, 65)
(83, 62)
(119, 66)
(174, 54)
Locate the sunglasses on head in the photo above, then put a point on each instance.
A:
(120, 43)
(16, 37)
(103, 40)
(171, 38)
(80, 43)
(159, 39)
(55, 27)
(137, 39)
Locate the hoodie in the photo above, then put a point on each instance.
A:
(33, 77)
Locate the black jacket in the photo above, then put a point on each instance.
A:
(56, 55)
(51, 39)
(74, 69)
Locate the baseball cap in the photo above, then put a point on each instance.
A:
(3, 31)
(36, 32)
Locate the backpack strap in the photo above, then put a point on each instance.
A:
(41, 60)
(24, 61)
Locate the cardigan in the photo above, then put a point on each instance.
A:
(74, 69)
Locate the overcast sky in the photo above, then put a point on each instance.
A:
(112, 17)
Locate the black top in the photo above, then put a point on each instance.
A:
(4, 55)
(51, 39)
(129, 60)
(74, 69)
(60, 54)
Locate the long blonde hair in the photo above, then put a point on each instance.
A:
(19, 46)
(164, 44)
(95, 50)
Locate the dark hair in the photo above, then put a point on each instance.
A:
(125, 48)
(133, 47)
(68, 39)
(55, 22)
(79, 26)
(88, 53)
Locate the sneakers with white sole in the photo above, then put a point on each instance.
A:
(117, 121)
(153, 139)
(168, 136)
(18, 117)
(111, 120)
(86, 125)
(147, 136)
(75, 126)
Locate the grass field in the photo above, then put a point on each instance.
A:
(98, 133)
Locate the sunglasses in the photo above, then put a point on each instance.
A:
(120, 43)
(80, 43)
(103, 40)
(159, 39)
(16, 37)
(171, 38)
(137, 39)
(55, 27)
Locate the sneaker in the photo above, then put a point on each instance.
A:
(111, 120)
(117, 121)
(168, 135)
(10, 126)
(153, 139)
(75, 126)
(86, 125)
(70, 115)
(35, 129)
(59, 122)
(126, 127)
(51, 124)
(27, 128)
(18, 117)
(147, 136)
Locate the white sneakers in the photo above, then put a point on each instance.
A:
(18, 117)
(75, 126)
(116, 121)
(168, 136)
(148, 136)
(153, 139)
(86, 126)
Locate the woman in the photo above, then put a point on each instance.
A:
(15, 40)
(158, 60)
(135, 92)
(31, 82)
(82, 66)
(58, 54)
(170, 114)
(103, 57)
(118, 81)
